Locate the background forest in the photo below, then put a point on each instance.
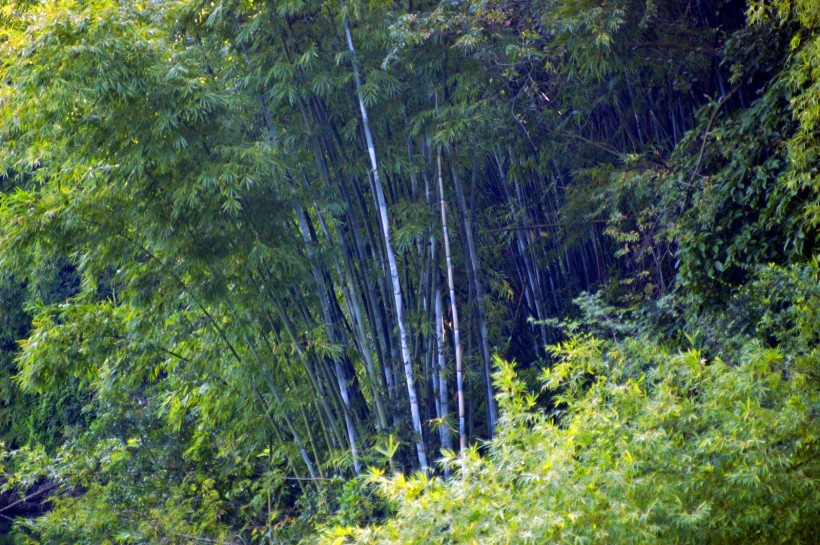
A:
(263, 264)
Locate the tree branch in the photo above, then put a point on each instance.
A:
(29, 497)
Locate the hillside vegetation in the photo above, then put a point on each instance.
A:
(408, 271)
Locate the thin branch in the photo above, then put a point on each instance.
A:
(202, 539)
(603, 147)
(29, 497)
(695, 172)
(720, 104)
(537, 225)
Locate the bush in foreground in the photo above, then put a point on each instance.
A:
(645, 446)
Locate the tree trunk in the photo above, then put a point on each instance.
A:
(391, 256)
(462, 431)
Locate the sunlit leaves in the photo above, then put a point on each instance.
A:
(660, 448)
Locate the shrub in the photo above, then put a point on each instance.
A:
(644, 446)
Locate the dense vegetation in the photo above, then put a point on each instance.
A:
(262, 264)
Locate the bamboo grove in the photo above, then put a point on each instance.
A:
(251, 246)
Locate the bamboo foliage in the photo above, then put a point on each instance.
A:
(265, 199)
